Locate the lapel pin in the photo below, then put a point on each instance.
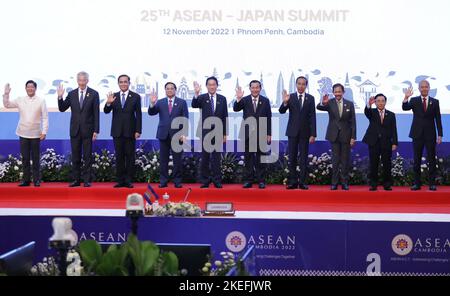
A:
(87, 95)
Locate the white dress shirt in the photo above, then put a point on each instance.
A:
(33, 120)
(215, 100)
(256, 100)
(84, 93)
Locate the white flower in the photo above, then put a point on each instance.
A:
(205, 269)
(218, 263)
(16, 168)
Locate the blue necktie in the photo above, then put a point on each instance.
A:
(212, 103)
(123, 100)
(81, 99)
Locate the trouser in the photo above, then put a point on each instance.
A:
(340, 159)
(298, 145)
(80, 145)
(125, 158)
(253, 166)
(165, 150)
(376, 152)
(419, 145)
(30, 149)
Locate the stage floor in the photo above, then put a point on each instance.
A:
(273, 202)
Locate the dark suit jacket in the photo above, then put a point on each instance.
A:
(343, 128)
(386, 133)
(302, 122)
(263, 109)
(424, 124)
(221, 111)
(127, 121)
(83, 119)
(179, 109)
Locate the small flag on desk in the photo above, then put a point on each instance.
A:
(148, 194)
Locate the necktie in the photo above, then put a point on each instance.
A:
(381, 116)
(425, 104)
(254, 105)
(170, 106)
(123, 100)
(212, 103)
(340, 108)
(300, 100)
(81, 99)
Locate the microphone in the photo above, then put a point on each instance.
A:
(62, 231)
(134, 205)
(135, 210)
(187, 194)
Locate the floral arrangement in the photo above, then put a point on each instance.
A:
(56, 167)
(11, 169)
(220, 267)
(48, 267)
(52, 165)
(103, 166)
(181, 209)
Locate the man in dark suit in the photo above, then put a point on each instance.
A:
(427, 118)
(341, 132)
(84, 125)
(301, 131)
(257, 123)
(172, 130)
(213, 107)
(381, 136)
(126, 128)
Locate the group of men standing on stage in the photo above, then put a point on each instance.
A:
(255, 132)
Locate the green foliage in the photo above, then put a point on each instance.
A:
(134, 257)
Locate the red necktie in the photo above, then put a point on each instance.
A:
(170, 106)
(425, 104)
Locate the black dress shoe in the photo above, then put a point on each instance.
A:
(74, 184)
(415, 187)
(178, 185)
(87, 184)
(333, 187)
(247, 185)
(37, 184)
(262, 185)
(433, 187)
(373, 188)
(118, 185)
(345, 187)
(128, 185)
(291, 186)
(204, 185)
(24, 184)
(388, 188)
(303, 187)
(218, 185)
(162, 185)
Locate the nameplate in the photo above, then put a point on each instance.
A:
(219, 209)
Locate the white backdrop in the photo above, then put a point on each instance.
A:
(382, 46)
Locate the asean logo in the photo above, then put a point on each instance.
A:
(235, 241)
(402, 244)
